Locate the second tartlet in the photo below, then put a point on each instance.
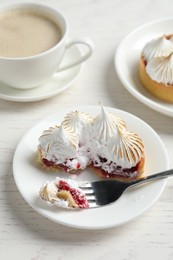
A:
(156, 67)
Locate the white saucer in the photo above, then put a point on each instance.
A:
(53, 87)
(29, 177)
(127, 59)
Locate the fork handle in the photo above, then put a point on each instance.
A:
(156, 176)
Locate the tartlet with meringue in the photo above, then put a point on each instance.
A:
(103, 142)
(156, 67)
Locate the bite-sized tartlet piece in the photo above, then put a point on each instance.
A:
(116, 152)
(156, 67)
(63, 193)
(64, 146)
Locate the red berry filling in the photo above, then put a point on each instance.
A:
(48, 163)
(76, 194)
(78, 166)
(117, 170)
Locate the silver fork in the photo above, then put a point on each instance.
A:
(100, 193)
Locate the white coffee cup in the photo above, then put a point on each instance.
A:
(32, 71)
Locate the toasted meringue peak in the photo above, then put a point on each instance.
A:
(47, 133)
(54, 134)
(106, 125)
(75, 121)
(157, 48)
(126, 150)
(68, 137)
(59, 143)
(160, 69)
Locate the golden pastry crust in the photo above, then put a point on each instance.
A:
(159, 90)
(66, 195)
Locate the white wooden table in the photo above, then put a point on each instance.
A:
(24, 234)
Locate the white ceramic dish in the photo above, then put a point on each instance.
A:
(54, 86)
(127, 59)
(29, 176)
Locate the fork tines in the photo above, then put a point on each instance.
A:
(86, 187)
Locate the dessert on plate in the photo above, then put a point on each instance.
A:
(156, 67)
(103, 142)
(63, 193)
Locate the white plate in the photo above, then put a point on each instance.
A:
(127, 59)
(54, 86)
(29, 176)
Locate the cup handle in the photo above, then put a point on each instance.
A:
(84, 41)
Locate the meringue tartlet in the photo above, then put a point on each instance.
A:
(102, 142)
(156, 67)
